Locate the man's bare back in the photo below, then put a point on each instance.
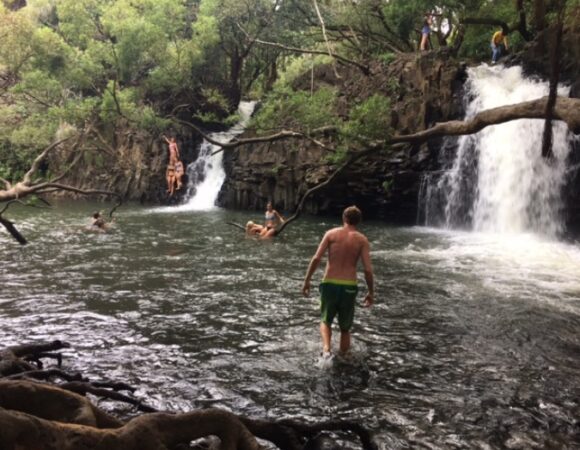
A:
(345, 248)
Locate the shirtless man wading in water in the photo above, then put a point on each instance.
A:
(346, 246)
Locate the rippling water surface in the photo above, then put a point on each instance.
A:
(474, 341)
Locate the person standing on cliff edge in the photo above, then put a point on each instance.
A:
(499, 45)
(425, 32)
(338, 289)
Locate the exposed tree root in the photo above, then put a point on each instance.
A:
(38, 415)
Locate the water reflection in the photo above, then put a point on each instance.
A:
(474, 341)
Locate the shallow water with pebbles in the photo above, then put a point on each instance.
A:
(474, 341)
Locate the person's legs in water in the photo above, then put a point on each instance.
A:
(344, 342)
(329, 297)
(337, 299)
(346, 315)
(326, 335)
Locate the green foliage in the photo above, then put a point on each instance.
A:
(369, 120)
(338, 156)
(129, 62)
(297, 109)
(215, 98)
(297, 66)
(387, 58)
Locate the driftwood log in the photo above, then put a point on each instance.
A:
(47, 409)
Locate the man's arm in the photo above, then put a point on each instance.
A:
(505, 42)
(314, 263)
(368, 269)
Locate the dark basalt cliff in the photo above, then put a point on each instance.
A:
(424, 89)
(131, 163)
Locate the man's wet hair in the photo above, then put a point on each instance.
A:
(352, 215)
(96, 215)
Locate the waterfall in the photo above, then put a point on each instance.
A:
(206, 174)
(496, 180)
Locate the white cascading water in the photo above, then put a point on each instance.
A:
(206, 174)
(514, 189)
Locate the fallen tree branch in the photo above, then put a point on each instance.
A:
(84, 388)
(13, 231)
(281, 135)
(566, 110)
(237, 225)
(290, 434)
(36, 163)
(352, 158)
(7, 183)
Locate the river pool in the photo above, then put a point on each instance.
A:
(474, 341)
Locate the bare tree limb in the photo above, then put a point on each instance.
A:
(77, 158)
(11, 202)
(566, 110)
(13, 231)
(283, 134)
(7, 183)
(353, 158)
(36, 163)
(84, 388)
(28, 205)
(364, 68)
(506, 29)
(65, 187)
(237, 225)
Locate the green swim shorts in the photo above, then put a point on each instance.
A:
(337, 297)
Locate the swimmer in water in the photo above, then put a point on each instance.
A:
(98, 223)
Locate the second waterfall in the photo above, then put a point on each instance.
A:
(206, 174)
(497, 180)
